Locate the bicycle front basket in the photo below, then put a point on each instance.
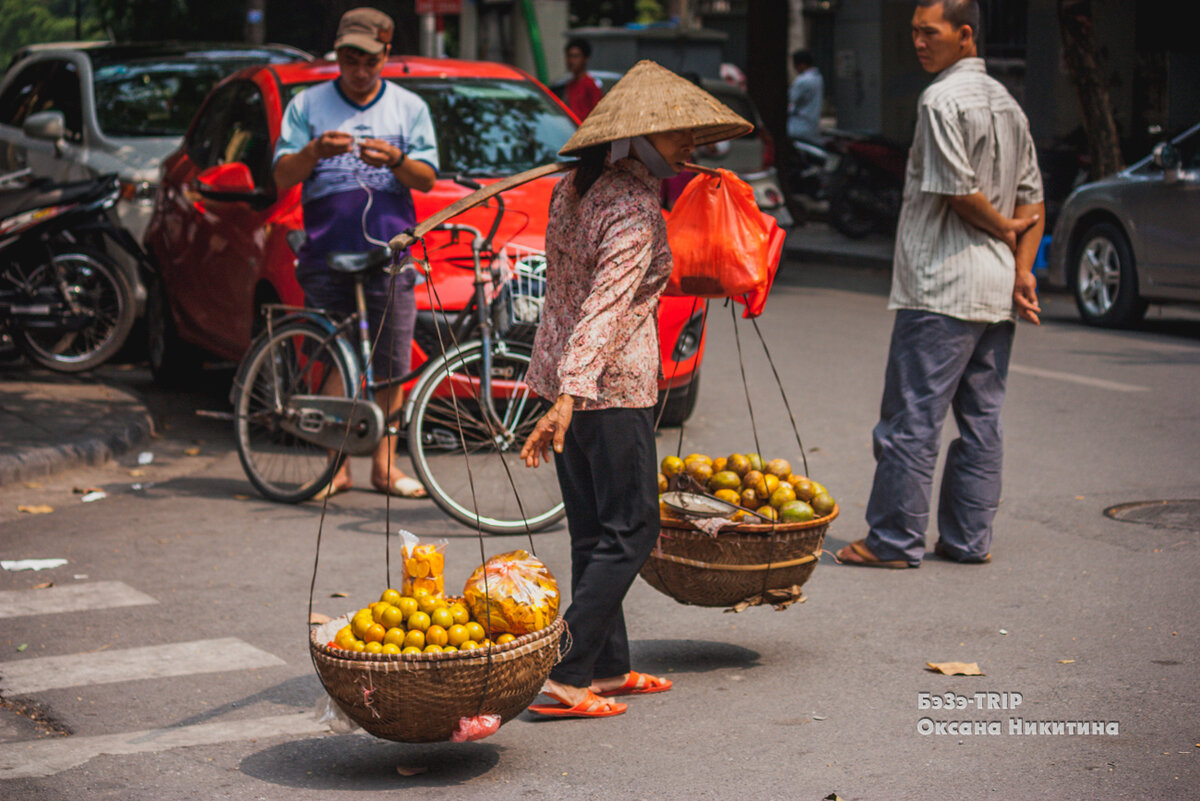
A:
(524, 291)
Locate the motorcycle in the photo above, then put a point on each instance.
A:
(866, 189)
(63, 300)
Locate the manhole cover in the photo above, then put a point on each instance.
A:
(1183, 514)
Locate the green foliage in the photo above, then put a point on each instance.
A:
(649, 11)
(23, 22)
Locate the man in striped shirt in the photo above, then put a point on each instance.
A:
(969, 229)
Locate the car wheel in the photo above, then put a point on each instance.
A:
(1105, 278)
(173, 362)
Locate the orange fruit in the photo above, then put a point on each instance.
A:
(738, 464)
(781, 468)
(407, 604)
(505, 637)
(469, 645)
(728, 495)
(392, 617)
(475, 631)
(726, 479)
(410, 649)
(436, 635)
(662, 483)
(772, 484)
(784, 494)
(756, 462)
(395, 636)
(700, 471)
(767, 511)
(360, 624)
(358, 645)
(749, 499)
(751, 478)
(671, 465)
(373, 647)
(460, 613)
(432, 649)
(449, 649)
(343, 637)
(375, 633)
(456, 635)
(414, 639)
(822, 504)
(419, 621)
(377, 610)
(427, 603)
(719, 464)
(796, 512)
(804, 489)
(442, 616)
(390, 596)
(390, 648)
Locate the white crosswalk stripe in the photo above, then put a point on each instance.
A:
(41, 758)
(71, 598)
(150, 662)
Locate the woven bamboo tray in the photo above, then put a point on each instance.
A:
(419, 698)
(743, 564)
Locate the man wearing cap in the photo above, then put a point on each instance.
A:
(359, 144)
(597, 354)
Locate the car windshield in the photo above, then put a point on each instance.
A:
(491, 127)
(159, 97)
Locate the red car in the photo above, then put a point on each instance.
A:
(221, 248)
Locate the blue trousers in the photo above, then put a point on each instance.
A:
(607, 472)
(937, 362)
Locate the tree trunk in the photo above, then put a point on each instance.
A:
(1079, 51)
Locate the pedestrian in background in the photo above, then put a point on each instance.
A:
(583, 91)
(806, 95)
(597, 354)
(359, 142)
(969, 230)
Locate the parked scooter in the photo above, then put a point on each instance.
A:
(866, 189)
(63, 301)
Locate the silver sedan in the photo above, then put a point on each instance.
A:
(1133, 238)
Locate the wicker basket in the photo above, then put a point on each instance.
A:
(420, 698)
(743, 564)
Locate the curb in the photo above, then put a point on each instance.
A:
(26, 463)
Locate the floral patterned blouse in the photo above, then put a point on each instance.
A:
(607, 263)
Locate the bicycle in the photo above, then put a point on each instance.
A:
(297, 411)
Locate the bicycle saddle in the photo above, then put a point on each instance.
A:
(359, 262)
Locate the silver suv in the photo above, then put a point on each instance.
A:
(71, 111)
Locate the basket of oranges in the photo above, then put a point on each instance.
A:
(414, 667)
(763, 552)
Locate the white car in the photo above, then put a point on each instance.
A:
(72, 111)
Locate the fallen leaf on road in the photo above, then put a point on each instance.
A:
(339, 595)
(1066, 661)
(33, 484)
(137, 473)
(956, 668)
(45, 585)
(35, 509)
(191, 451)
(237, 496)
(318, 618)
(86, 490)
(832, 797)
(403, 771)
(22, 646)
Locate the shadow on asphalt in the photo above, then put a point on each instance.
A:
(366, 764)
(691, 656)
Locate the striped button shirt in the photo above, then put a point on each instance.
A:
(971, 136)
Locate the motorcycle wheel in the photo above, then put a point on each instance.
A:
(848, 213)
(94, 283)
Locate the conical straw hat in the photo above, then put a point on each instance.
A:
(652, 99)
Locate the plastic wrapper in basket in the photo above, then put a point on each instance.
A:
(420, 698)
(741, 565)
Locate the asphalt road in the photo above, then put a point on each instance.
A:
(1087, 618)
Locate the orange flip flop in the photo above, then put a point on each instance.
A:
(592, 706)
(857, 553)
(639, 684)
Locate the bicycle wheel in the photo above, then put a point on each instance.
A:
(293, 360)
(447, 414)
(101, 292)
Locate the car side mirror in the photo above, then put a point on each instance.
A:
(50, 126)
(1166, 157)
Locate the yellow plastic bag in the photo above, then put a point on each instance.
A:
(512, 593)
(424, 566)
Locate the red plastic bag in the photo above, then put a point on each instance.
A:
(755, 301)
(719, 242)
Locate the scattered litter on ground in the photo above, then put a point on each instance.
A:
(316, 618)
(145, 457)
(955, 668)
(22, 646)
(35, 509)
(1066, 661)
(33, 485)
(191, 451)
(31, 564)
(339, 595)
(138, 473)
(95, 495)
(45, 585)
(1004, 631)
(406, 771)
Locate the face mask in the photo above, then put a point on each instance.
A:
(645, 153)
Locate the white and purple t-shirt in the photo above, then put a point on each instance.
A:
(334, 196)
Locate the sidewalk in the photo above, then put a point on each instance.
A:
(816, 241)
(50, 422)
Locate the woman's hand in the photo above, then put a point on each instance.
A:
(549, 431)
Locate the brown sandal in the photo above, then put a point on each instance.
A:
(857, 553)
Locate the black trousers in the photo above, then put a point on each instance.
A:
(608, 473)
